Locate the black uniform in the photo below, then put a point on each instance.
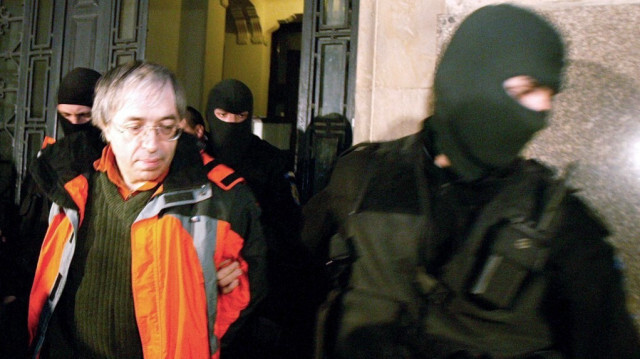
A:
(455, 262)
(282, 328)
(396, 230)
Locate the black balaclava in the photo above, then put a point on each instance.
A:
(476, 123)
(77, 88)
(229, 141)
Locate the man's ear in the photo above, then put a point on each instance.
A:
(199, 131)
(105, 134)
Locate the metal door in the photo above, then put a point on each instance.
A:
(40, 41)
(327, 72)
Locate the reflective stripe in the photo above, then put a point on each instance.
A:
(173, 199)
(63, 271)
(203, 230)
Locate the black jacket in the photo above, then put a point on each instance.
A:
(282, 327)
(581, 306)
(269, 172)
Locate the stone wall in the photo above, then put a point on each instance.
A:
(397, 48)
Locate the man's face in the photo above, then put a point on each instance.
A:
(75, 114)
(229, 117)
(147, 155)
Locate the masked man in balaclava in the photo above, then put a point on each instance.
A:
(458, 247)
(278, 329)
(75, 98)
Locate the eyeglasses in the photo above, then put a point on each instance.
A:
(135, 131)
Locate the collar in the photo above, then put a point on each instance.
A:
(107, 164)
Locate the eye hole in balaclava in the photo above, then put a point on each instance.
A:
(230, 141)
(477, 124)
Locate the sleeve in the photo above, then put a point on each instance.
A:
(246, 244)
(318, 224)
(323, 214)
(326, 212)
(280, 204)
(592, 320)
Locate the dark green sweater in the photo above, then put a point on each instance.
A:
(95, 317)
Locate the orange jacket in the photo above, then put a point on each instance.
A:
(176, 302)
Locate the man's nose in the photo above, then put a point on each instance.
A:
(150, 138)
(74, 119)
(544, 101)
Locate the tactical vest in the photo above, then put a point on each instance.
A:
(487, 300)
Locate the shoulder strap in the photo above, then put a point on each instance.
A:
(222, 175)
(548, 218)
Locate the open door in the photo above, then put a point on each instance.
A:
(327, 72)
